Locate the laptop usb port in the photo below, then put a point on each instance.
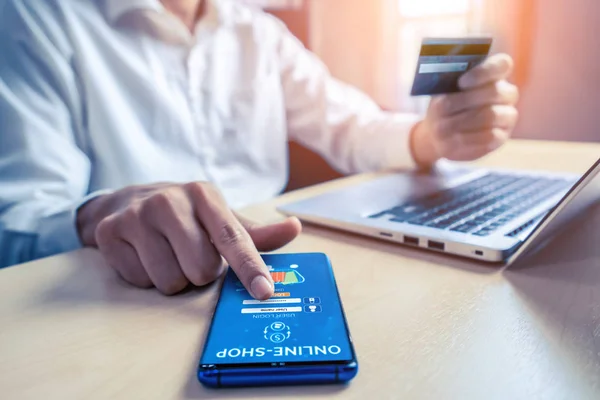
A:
(411, 240)
(385, 234)
(435, 245)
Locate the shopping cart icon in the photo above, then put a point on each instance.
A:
(287, 277)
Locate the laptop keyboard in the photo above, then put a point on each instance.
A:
(526, 225)
(478, 207)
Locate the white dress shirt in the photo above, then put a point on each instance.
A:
(97, 95)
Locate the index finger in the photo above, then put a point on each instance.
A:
(231, 240)
(494, 68)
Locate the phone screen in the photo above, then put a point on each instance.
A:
(302, 323)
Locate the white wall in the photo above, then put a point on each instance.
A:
(562, 98)
(345, 35)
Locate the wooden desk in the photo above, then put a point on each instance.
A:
(424, 326)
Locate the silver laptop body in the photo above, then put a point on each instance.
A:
(491, 215)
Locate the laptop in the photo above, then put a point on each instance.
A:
(492, 215)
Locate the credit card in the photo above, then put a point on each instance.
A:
(443, 61)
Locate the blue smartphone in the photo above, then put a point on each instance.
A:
(299, 336)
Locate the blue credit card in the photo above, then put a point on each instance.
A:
(443, 61)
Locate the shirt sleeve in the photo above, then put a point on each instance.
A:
(44, 175)
(338, 121)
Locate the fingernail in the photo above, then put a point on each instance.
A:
(261, 288)
(463, 81)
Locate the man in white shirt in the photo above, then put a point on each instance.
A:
(102, 99)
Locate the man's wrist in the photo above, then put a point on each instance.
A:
(88, 216)
(421, 145)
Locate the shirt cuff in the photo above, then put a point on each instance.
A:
(393, 142)
(58, 232)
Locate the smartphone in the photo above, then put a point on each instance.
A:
(299, 336)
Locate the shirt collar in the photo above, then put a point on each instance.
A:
(161, 23)
(115, 9)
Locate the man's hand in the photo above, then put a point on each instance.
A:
(467, 125)
(168, 236)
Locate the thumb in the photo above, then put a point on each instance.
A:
(273, 236)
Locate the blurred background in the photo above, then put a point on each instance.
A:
(373, 44)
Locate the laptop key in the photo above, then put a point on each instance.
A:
(418, 221)
(401, 213)
(466, 227)
(405, 209)
(451, 220)
(378, 215)
(400, 218)
(444, 224)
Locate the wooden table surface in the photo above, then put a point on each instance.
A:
(424, 326)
